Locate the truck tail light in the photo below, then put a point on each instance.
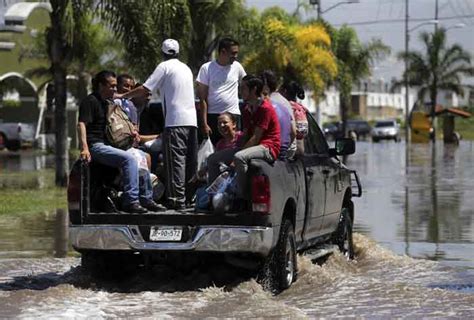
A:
(261, 194)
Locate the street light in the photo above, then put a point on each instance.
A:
(321, 11)
(456, 26)
(407, 87)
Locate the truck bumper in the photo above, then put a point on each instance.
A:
(207, 238)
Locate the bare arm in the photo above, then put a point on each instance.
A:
(146, 138)
(293, 131)
(85, 153)
(203, 92)
(140, 91)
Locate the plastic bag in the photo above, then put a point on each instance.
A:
(220, 191)
(205, 150)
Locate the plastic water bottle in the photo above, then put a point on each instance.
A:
(218, 184)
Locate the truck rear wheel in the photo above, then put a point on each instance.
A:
(343, 235)
(279, 270)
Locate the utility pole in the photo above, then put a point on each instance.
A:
(407, 98)
(436, 15)
(319, 9)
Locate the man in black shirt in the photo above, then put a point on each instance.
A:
(94, 144)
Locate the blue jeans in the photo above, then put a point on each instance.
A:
(123, 160)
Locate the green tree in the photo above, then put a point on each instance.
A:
(293, 51)
(439, 67)
(211, 20)
(66, 24)
(142, 25)
(354, 61)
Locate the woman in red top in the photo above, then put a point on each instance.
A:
(261, 139)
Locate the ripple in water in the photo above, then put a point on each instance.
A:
(377, 284)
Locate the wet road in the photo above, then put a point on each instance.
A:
(414, 244)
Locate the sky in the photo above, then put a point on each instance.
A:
(377, 12)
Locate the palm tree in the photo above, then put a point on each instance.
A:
(438, 68)
(141, 25)
(354, 61)
(66, 24)
(211, 19)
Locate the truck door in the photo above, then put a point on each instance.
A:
(334, 196)
(315, 161)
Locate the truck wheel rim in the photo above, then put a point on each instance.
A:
(290, 268)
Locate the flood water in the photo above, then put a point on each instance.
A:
(414, 237)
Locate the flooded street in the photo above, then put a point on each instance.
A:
(414, 237)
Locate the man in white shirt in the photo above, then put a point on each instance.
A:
(174, 80)
(218, 87)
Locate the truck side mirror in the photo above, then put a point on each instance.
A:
(343, 146)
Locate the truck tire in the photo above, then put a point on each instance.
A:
(343, 235)
(279, 269)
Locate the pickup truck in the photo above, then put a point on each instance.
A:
(15, 135)
(294, 206)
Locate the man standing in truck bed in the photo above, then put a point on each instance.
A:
(174, 80)
(218, 85)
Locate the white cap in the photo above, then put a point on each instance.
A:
(170, 46)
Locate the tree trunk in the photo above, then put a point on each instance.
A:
(57, 55)
(434, 101)
(60, 118)
(343, 112)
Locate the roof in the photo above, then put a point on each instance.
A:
(21, 11)
(452, 111)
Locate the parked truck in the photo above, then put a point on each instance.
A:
(300, 205)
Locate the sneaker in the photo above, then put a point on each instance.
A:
(134, 208)
(153, 206)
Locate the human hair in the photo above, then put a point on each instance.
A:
(232, 117)
(167, 56)
(226, 43)
(121, 78)
(270, 80)
(254, 82)
(293, 89)
(101, 78)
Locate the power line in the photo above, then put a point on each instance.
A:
(403, 20)
(455, 10)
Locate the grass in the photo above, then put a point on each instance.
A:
(465, 127)
(30, 192)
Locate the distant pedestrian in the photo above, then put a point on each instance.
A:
(174, 80)
(218, 83)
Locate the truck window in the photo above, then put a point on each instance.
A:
(314, 140)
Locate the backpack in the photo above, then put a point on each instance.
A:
(119, 130)
(301, 120)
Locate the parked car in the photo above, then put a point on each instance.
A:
(357, 129)
(386, 130)
(16, 135)
(303, 205)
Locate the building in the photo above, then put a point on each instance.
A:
(23, 99)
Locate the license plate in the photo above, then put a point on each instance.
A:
(166, 233)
